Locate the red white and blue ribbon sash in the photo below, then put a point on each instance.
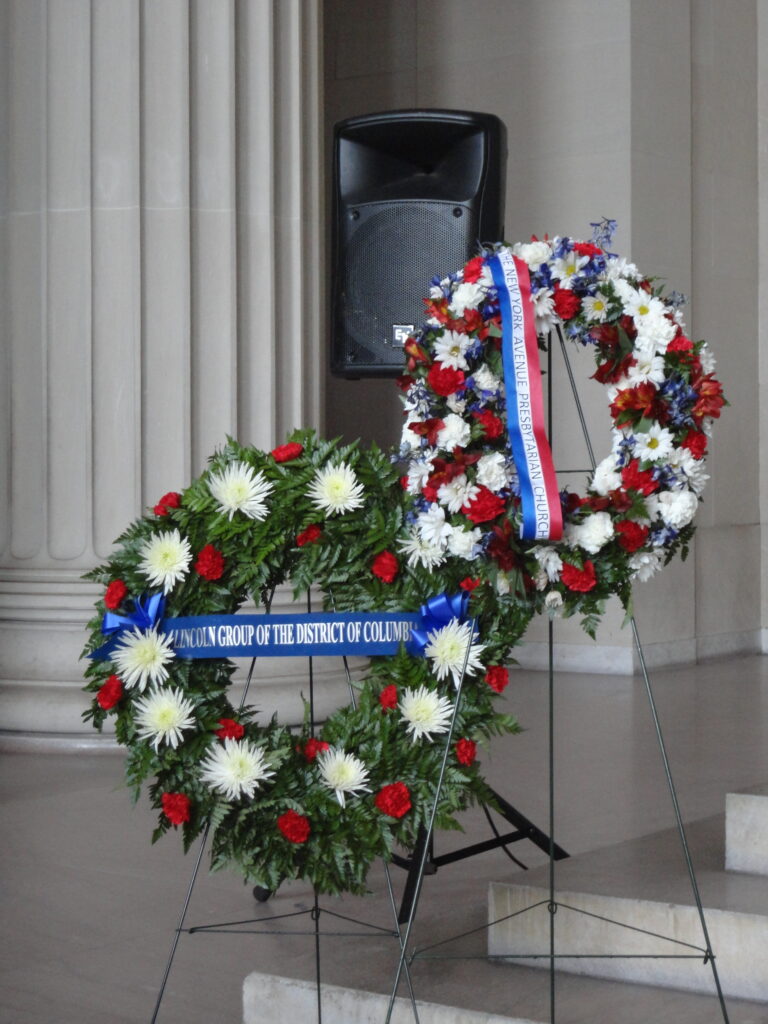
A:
(540, 499)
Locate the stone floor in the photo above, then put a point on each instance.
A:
(90, 907)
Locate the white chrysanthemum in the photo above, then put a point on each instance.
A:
(456, 404)
(449, 349)
(141, 658)
(485, 380)
(553, 602)
(591, 535)
(454, 433)
(419, 552)
(692, 470)
(708, 362)
(165, 559)
(544, 310)
(464, 543)
(343, 773)
(533, 253)
(336, 489)
(239, 488)
(425, 711)
(419, 471)
(659, 330)
(162, 716)
(617, 268)
(432, 526)
(645, 564)
(550, 563)
(567, 267)
(456, 493)
(447, 650)
(235, 768)
(503, 586)
(410, 441)
(654, 444)
(466, 296)
(492, 471)
(678, 508)
(606, 477)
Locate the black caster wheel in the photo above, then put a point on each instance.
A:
(261, 894)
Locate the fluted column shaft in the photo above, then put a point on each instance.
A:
(160, 223)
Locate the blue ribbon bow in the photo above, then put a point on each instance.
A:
(147, 613)
(435, 614)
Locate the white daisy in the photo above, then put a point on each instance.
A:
(420, 552)
(646, 367)
(654, 444)
(567, 267)
(336, 489)
(456, 493)
(235, 768)
(165, 559)
(449, 349)
(162, 715)
(454, 432)
(544, 310)
(447, 650)
(425, 712)
(141, 658)
(343, 773)
(595, 307)
(239, 488)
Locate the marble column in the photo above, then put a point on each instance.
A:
(160, 223)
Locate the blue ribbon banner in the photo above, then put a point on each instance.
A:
(290, 636)
(287, 636)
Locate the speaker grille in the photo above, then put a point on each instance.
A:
(393, 252)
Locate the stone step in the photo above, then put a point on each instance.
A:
(269, 997)
(746, 832)
(643, 884)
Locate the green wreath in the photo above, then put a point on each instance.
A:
(385, 532)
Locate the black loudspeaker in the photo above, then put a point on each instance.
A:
(415, 192)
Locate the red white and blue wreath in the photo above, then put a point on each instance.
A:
(465, 522)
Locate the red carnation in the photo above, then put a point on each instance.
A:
(586, 249)
(497, 678)
(388, 697)
(385, 566)
(680, 344)
(469, 583)
(210, 563)
(308, 536)
(466, 751)
(314, 747)
(695, 441)
(110, 693)
(170, 500)
(473, 270)
(484, 506)
(566, 303)
(176, 807)
(394, 800)
(287, 452)
(492, 425)
(635, 479)
(295, 827)
(230, 729)
(444, 380)
(577, 579)
(632, 535)
(115, 594)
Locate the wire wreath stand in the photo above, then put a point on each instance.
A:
(422, 861)
(692, 952)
